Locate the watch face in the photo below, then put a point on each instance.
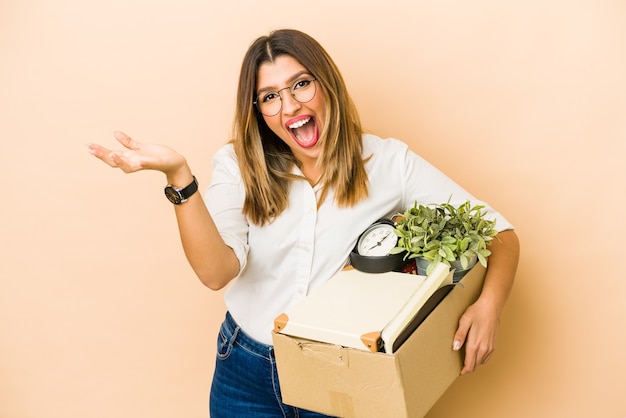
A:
(377, 240)
(173, 195)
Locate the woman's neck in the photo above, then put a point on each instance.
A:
(312, 173)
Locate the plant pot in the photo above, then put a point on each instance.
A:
(422, 265)
(458, 270)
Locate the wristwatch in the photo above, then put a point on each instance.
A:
(371, 254)
(178, 195)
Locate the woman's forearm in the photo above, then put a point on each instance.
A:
(211, 259)
(502, 265)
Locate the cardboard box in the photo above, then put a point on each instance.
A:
(348, 382)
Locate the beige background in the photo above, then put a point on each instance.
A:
(522, 102)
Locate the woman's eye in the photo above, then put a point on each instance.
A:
(300, 84)
(269, 97)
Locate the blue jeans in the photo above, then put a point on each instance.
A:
(245, 382)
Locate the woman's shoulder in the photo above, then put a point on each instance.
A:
(226, 155)
(225, 160)
(374, 144)
(226, 151)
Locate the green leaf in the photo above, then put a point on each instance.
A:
(430, 267)
(447, 253)
(482, 259)
(448, 240)
(430, 255)
(464, 261)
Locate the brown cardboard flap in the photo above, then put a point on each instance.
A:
(372, 341)
(280, 322)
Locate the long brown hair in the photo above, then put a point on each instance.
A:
(266, 162)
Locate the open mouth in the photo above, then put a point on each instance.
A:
(305, 132)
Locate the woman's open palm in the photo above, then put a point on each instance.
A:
(138, 156)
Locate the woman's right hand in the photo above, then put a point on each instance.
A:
(198, 232)
(139, 156)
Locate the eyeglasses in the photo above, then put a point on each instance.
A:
(270, 103)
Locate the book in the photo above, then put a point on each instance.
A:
(368, 311)
(422, 302)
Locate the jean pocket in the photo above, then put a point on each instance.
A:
(225, 341)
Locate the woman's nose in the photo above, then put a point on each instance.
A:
(290, 104)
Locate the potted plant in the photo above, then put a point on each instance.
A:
(456, 236)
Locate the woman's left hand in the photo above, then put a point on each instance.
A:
(478, 328)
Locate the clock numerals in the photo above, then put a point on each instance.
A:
(371, 253)
(377, 240)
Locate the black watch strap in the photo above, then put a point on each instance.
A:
(178, 195)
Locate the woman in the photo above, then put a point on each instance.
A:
(289, 197)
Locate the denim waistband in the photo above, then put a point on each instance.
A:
(245, 340)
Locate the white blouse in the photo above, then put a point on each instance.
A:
(281, 262)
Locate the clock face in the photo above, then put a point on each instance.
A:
(377, 240)
(172, 195)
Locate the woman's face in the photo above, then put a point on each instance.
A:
(297, 124)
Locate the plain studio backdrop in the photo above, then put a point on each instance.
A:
(522, 102)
